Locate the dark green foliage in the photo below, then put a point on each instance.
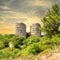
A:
(17, 41)
(2, 45)
(6, 39)
(6, 42)
(51, 21)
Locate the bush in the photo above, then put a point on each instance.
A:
(33, 45)
(17, 41)
(31, 40)
(6, 42)
(34, 48)
(55, 40)
(8, 53)
(2, 45)
(45, 40)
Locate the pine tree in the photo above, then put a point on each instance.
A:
(51, 21)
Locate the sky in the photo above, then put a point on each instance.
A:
(26, 11)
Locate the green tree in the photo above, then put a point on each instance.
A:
(17, 41)
(51, 21)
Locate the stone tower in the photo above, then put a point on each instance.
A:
(34, 29)
(21, 29)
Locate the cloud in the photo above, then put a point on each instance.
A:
(27, 11)
(11, 15)
(4, 7)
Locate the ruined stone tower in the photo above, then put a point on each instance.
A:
(34, 29)
(21, 29)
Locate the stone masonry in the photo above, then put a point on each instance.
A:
(34, 29)
(21, 29)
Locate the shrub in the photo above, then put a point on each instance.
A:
(34, 48)
(31, 40)
(6, 42)
(45, 40)
(2, 45)
(55, 40)
(17, 41)
(8, 53)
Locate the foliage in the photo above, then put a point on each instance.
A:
(55, 40)
(32, 39)
(34, 48)
(2, 45)
(17, 41)
(45, 40)
(33, 45)
(5, 39)
(51, 21)
(8, 53)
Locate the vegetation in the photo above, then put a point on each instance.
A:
(51, 21)
(33, 45)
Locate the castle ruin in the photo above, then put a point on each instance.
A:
(34, 29)
(21, 29)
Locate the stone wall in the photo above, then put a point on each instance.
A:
(21, 29)
(35, 29)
